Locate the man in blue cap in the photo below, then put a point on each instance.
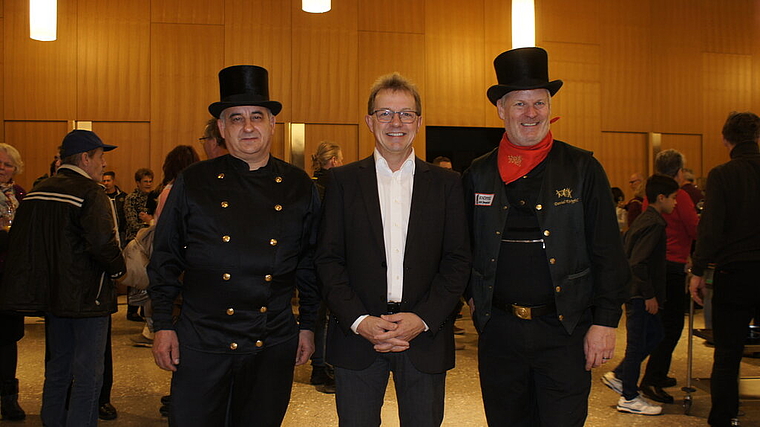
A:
(64, 253)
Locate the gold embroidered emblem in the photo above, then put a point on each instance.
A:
(565, 192)
(515, 160)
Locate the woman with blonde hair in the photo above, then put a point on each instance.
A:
(11, 326)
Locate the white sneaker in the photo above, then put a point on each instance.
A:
(638, 405)
(611, 380)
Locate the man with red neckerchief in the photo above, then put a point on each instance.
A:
(549, 270)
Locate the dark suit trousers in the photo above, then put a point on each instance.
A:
(360, 394)
(215, 390)
(532, 373)
(736, 297)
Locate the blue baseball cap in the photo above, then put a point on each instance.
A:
(80, 141)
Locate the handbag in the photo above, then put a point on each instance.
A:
(136, 256)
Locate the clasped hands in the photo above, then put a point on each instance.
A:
(391, 332)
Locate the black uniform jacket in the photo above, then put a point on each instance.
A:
(352, 264)
(577, 215)
(63, 250)
(243, 240)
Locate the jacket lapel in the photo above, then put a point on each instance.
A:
(368, 185)
(420, 190)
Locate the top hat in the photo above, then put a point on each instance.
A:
(243, 85)
(522, 69)
(80, 141)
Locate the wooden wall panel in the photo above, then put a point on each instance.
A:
(498, 38)
(626, 66)
(727, 86)
(40, 77)
(578, 101)
(344, 135)
(568, 21)
(392, 16)
(185, 60)
(2, 68)
(38, 143)
(408, 59)
(187, 11)
(623, 154)
(324, 64)
(113, 60)
(133, 140)
(688, 145)
(259, 33)
(454, 63)
(277, 148)
(676, 67)
(727, 26)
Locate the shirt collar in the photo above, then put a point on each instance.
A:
(381, 164)
(76, 169)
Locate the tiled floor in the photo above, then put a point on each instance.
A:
(139, 384)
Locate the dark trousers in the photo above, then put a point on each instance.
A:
(736, 297)
(643, 334)
(76, 360)
(658, 366)
(532, 372)
(105, 390)
(211, 389)
(359, 396)
(320, 335)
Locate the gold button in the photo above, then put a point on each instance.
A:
(220, 176)
(539, 207)
(552, 261)
(278, 179)
(263, 309)
(278, 207)
(226, 239)
(259, 343)
(498, 233)
(273, 242)
(546, 232)
(233, 346)
(226, 276)
(558, 289)
(522, 202)
(268, 277)
(506, 207)
(230, 311)
(225, 204)
(493, 259)
(561, 317)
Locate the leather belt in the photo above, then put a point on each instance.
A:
(393, 307)
(526, 312)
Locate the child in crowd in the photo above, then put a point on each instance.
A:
(645, 244)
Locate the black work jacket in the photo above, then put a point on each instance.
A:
(729, 230)
(577, 217)
(645, 246)
(243, 239)
(63, 250)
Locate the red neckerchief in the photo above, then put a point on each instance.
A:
(516, 161)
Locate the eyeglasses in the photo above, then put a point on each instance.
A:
(386, 116)
(203, 139)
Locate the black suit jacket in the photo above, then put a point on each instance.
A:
(352, 265)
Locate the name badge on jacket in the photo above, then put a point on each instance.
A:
(483, 199)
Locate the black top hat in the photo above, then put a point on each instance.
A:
(243, 85)
(522, 69)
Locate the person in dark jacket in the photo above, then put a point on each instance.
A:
(548, 262)
(729, 236)
(118, 198)
(236, 236)
(62, 257)
(645, 246)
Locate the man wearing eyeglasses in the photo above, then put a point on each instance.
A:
(394, 257)
(212, 141)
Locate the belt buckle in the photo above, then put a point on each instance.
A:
(522, 312)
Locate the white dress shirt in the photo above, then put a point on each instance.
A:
(395, 193)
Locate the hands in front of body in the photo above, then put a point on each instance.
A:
(166, 350)
(697, 288)
(651, 305)
(306, 346)
(392, 332)
(598, 345)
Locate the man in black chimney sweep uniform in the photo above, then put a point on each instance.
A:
(235, 237)
(549, 271)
